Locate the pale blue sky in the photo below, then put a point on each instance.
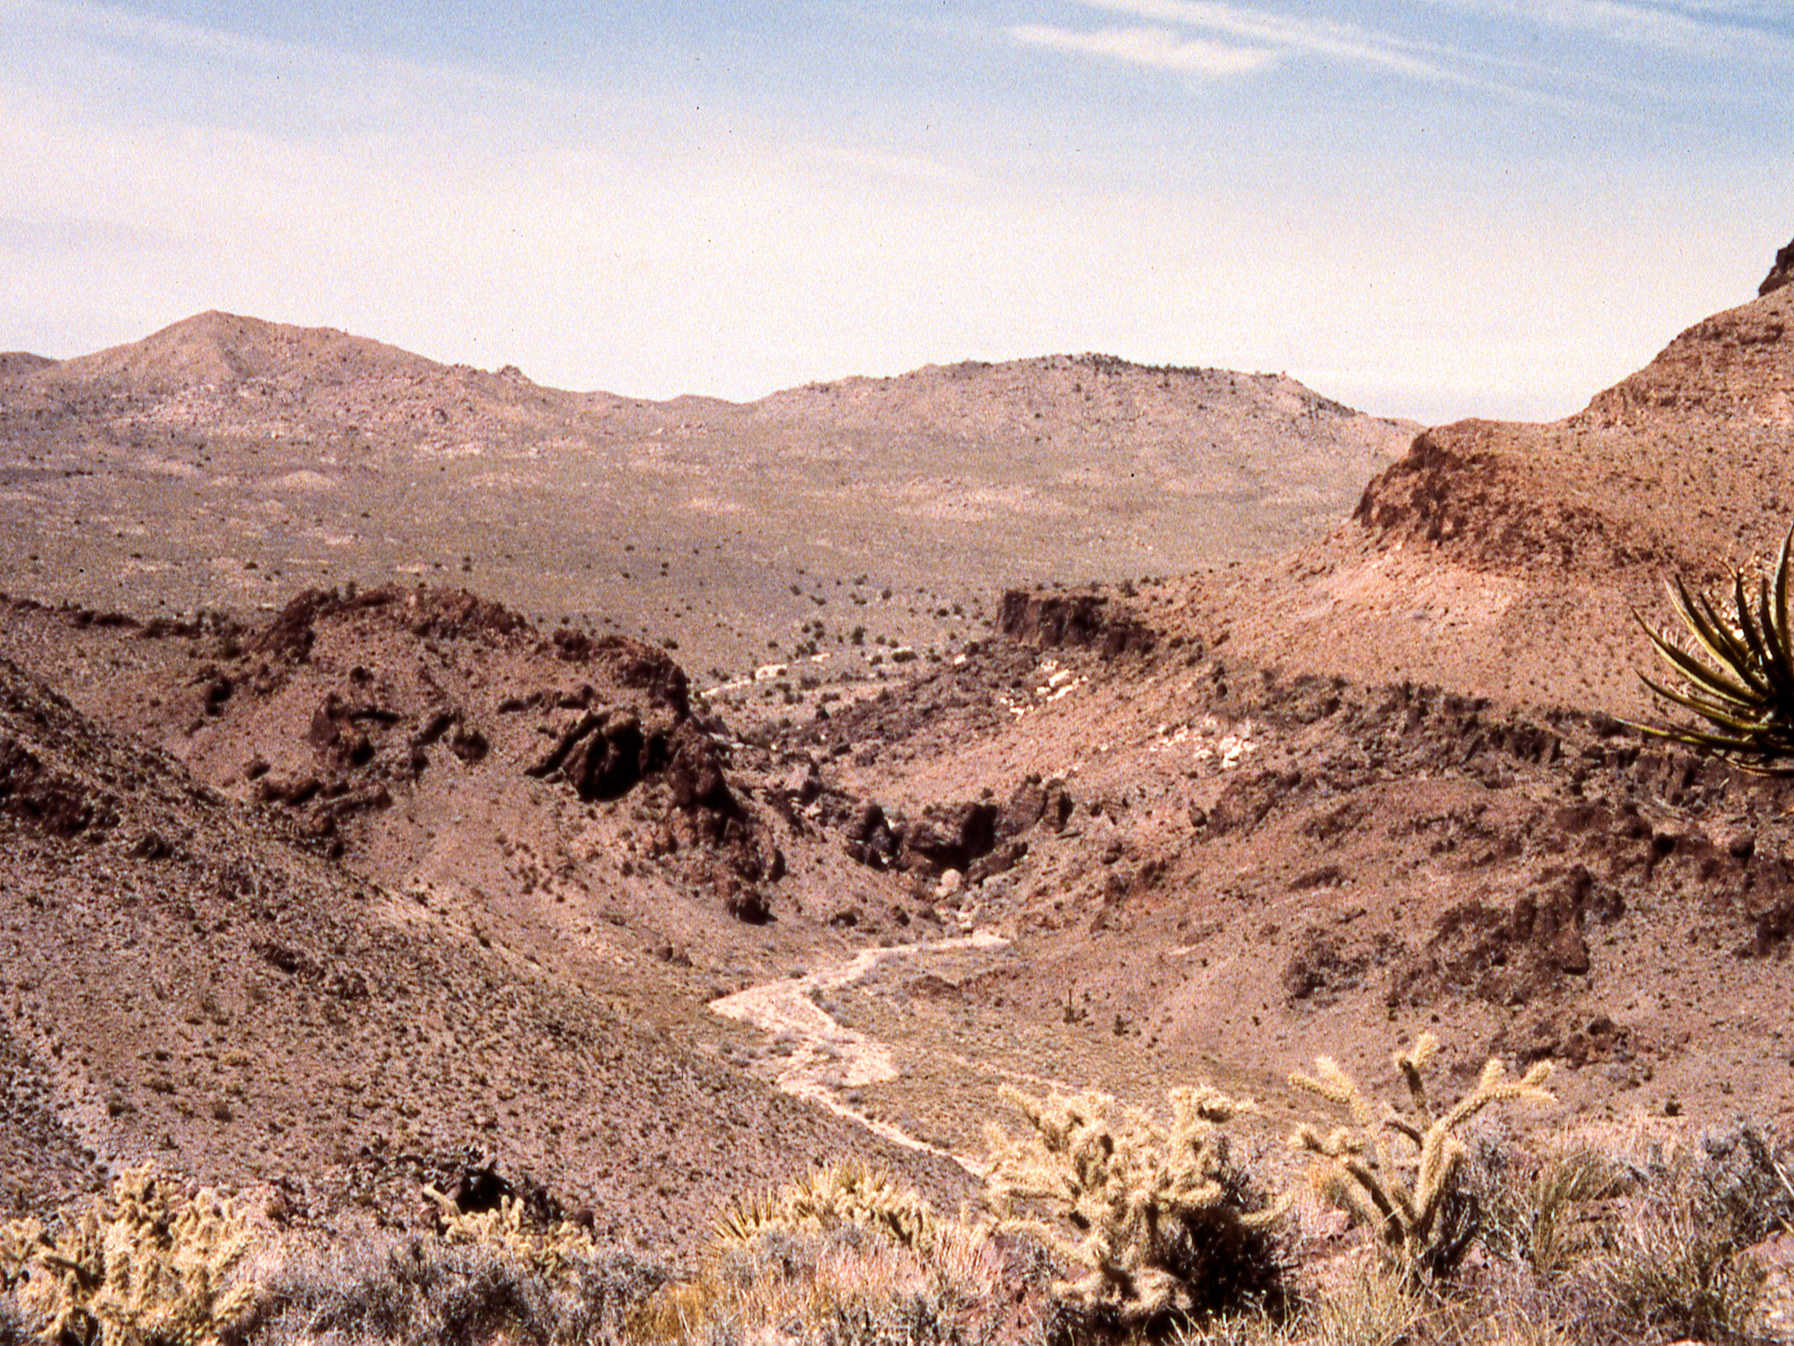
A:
(1437, 209)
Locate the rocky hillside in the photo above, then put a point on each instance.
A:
(426, 881)
(1506, 558)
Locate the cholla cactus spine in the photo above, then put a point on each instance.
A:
(1366, 1177)
(553, 1250)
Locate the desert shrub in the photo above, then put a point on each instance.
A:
(482, 1278)
(1677, 1262)
(1166, 1225)
(1547, 1213)
(144, 1265)
(1409, 1194)
(846, 1283)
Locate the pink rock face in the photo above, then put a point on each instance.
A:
(1779, 274)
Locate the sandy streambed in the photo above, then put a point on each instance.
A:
(826, 1057)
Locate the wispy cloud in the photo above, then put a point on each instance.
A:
(1299, 36)
(1162, 48)
(1750, 33)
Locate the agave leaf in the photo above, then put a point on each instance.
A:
(1781, 599)
(1697, 739)
(1724, 640)
(1698, 674)
(1776, 666)
(1761, 665)
(1715, 633)
(1707, 710)
(1738, 676)
(1775, 610)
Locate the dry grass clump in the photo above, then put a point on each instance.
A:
(1163, 1225)
(844, 1255)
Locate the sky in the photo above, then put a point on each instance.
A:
(1436, 209)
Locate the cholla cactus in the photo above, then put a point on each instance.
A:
(1409, 1201)
(19, 1240)
(841, 1194)
(555, 1251)
(143, 1266)
(1165, 1224)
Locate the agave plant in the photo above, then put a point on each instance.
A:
(1744, 688)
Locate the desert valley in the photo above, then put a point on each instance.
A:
(411, 775)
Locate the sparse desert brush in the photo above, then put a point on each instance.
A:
(1547, 1212)
(1407, 1193)
(144, 1265)
(1163, 1224)
(485, 1278)
(1678, 1260)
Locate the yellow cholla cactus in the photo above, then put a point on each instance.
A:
(844, 1193)
(554, 1250)
(1164, 1223)
(1406, 1198)
(142, 1266)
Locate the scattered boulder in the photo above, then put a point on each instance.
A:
(48, 799)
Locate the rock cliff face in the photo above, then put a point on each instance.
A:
(1781, 273)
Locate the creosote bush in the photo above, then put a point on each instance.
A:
(1165, 1225)
(1423, 1218)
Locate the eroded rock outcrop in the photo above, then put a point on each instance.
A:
(1779, 274)
(1087, 619)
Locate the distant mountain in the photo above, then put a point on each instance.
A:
(223, 460)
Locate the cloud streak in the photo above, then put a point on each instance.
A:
(1160, 48)
(1741, 33)
(1326, 38)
